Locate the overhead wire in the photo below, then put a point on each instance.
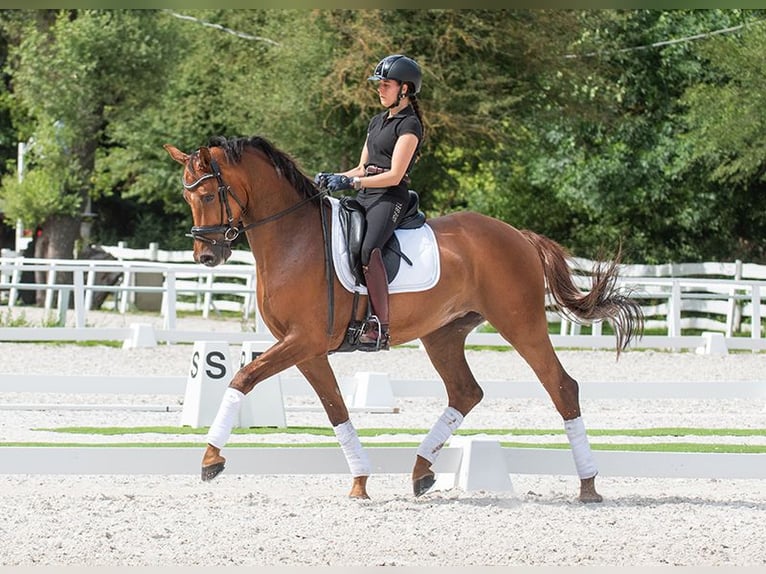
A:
(222, 28)
(692, 38)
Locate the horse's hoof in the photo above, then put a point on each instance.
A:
(359, 488)
(588, 491)
(211, 471)
(423, 484)
(590, 497)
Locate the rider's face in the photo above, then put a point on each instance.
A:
(388, 90)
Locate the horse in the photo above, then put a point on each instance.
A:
(490, 271)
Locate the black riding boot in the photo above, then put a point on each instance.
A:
(375, 334)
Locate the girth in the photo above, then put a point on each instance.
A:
(354, 225)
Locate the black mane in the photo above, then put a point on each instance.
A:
(282, 162)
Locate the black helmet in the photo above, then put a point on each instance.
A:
(400, 68)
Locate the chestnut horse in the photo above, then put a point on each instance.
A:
(490, 271)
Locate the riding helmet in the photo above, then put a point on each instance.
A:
(400, 68)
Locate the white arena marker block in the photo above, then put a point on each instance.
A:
(209, 374)
(372, 390)
(141, 336)
(263, 406)
(482, 467)
(715, 344)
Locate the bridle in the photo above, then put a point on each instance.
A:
(226, 228)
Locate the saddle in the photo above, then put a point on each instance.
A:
(354, 226)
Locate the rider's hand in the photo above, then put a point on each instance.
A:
(321, 178)
(337, 182)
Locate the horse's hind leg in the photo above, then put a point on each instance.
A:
(446, 349)
(534, 345)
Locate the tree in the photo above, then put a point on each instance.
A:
(593, 127)
(73, 72)
(482, 75)
(247, 83)
(620, 165)
(727, 136)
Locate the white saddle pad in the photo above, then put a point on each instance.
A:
(419, 245)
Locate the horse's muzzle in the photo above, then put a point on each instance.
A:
(212, 255)
(209, 251)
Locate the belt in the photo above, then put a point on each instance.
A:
(375, 170)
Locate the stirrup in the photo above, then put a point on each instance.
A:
(373, 336)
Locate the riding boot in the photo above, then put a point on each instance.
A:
(375, 334)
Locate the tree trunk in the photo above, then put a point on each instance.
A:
(57, 240)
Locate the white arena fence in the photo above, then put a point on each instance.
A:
(384, 460)
(471, 463)
(719, 298)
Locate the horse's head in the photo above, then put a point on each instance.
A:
(213, 215)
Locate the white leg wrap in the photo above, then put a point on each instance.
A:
(220, 430)
(447, 424)
(356, 456)
(578, 440)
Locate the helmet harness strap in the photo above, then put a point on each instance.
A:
(399, 97)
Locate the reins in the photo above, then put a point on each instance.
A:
(230, 232)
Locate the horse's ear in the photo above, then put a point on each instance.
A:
(202, 160)
(177, 154)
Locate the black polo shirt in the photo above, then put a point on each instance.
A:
(383, 132)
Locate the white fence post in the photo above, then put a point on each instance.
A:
(674, 312)
(169, 301)
(79, 298)
(755, 319)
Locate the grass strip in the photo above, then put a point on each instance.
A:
(375, 432)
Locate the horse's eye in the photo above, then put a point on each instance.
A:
(208, 198)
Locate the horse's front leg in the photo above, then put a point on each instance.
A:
(274, 360)
(445, 348)
(322, 379)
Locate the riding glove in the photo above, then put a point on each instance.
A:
(337, 182)
(321, 178)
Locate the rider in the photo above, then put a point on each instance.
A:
(382, 179)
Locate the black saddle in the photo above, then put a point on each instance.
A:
(353, 227)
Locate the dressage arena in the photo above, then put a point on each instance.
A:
(307, 520)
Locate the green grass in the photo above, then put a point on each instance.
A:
(374, 432)
(692, 447)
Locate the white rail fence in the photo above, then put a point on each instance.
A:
(298, 386)
(469, 463)
(680, 301)
(384, 460)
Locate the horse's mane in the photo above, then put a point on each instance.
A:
(284, 164)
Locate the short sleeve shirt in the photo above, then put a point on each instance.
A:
(383, 132)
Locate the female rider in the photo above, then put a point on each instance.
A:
(382, 180)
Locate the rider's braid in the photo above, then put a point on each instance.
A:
(416, 106)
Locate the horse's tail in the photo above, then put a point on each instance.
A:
(604, 301)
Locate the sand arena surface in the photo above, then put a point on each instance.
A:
(248, 520)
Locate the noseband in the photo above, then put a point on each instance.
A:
(226, 228)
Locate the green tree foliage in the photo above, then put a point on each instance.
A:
(263, 81)
(594, 127)
(74, 72)
(727, 137)
(617, 160)
(481, 71)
